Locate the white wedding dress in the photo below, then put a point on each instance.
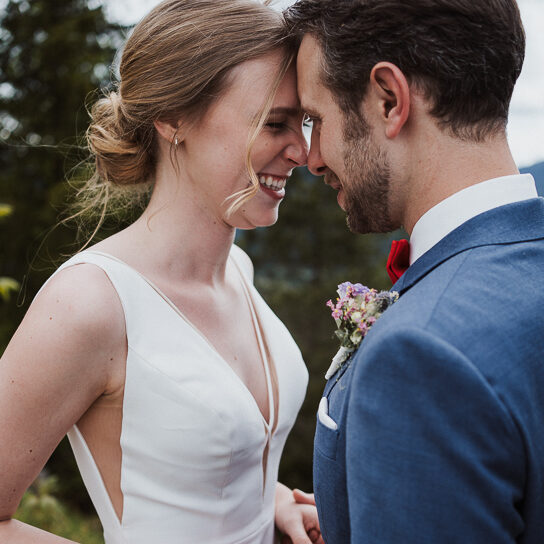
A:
(199, 461)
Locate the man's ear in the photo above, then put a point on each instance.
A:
(168, 131)
(392, 96)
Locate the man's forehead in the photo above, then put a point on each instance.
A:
(309, 70)
(309, 57)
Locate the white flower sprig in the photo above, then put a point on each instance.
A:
(357, 308)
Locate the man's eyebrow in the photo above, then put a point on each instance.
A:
(311, 112)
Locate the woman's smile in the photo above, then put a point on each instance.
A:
(273, 185)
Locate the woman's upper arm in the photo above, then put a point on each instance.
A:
(57, 363)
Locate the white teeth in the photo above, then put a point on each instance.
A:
(271, 183)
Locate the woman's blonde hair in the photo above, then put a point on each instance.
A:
(174, 65)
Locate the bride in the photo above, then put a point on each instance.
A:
(175, 382)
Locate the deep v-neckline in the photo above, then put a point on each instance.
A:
(269, 424)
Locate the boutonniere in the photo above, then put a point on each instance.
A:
(357, 308)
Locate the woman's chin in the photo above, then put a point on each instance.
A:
(252, 222)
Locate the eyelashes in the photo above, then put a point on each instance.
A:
(281, 125)
(276, 125)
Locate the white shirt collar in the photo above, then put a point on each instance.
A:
(455, 210)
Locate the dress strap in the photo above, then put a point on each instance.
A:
(241, 262)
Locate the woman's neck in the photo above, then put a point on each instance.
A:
(177, 236)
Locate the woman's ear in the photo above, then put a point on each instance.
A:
(391, 93)
(169, 132)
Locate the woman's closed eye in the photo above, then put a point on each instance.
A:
(284, 121)
(276, 125)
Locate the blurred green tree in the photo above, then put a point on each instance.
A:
(7, 285)
(53, 55)
(41, 508)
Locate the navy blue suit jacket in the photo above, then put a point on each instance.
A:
(440, 412)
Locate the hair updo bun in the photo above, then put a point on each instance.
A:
(121, 157)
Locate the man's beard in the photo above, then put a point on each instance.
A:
(367, 184)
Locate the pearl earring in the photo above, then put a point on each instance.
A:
(176, 141)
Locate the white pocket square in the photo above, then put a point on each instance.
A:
(323, 415)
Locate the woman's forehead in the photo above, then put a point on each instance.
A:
(249, 84)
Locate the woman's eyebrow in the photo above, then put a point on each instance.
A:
(285, 111)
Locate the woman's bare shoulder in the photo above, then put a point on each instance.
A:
(77, 314)
(83, 295)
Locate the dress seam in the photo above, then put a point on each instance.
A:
(171, 380)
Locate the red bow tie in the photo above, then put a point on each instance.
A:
(399, 259)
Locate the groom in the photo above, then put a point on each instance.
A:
(433, 432)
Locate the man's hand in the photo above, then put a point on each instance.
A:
(296, 517)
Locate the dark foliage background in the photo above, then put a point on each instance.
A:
(53, 58)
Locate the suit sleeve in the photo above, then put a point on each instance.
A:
(432, 454)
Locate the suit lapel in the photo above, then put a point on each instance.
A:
(518, 222)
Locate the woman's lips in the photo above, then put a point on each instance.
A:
(276, 183)
(272, 185)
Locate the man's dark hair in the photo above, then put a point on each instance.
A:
(465, 55)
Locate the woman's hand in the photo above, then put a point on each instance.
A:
(296, 517)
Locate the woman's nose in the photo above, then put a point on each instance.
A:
(297, 150)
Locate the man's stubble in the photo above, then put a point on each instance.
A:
(368, 181)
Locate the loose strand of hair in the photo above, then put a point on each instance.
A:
(241, 197)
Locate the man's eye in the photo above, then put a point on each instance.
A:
(308, 121)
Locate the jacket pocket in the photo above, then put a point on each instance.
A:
(326, 439)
